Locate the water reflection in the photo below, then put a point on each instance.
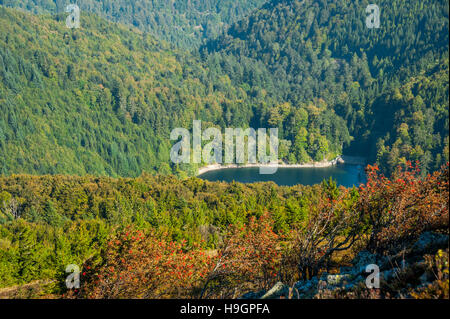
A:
(345, 175)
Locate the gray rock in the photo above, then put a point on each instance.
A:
(351, 277)
(276, 291)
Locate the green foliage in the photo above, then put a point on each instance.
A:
(414, 122)
(65, 220)
(101, 99)
(183, 22)
(36, 251)
(307, 51)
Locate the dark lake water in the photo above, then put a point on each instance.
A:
(344, 174)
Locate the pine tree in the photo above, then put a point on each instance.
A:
(28, 266)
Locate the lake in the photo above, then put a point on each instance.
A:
(344, 174)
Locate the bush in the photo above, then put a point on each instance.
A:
(139, 265)
(399, 209)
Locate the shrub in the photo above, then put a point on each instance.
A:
(399, 209)
(249, 260)
(139, 265)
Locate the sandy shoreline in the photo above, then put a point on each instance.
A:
(215, 167)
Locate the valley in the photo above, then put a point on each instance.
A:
(139, 143)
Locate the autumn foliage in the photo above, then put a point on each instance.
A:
(381, 216)
(136, 264)
(333, 225)
(249, 260)
(142, 265)
(400, 208)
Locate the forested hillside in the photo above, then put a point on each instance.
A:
(312, 68)
(86, 176)
(65, 212)
(412, 121)
(99, 100)
(308, 50)
(160, 237)
(185, 23)
(103, 100)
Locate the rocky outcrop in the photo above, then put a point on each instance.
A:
(276, 290)
(350, 278)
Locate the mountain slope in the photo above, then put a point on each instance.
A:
(104, 98)
(309, 50)
(412, 122)
(99, 100)
(318, 39)
(182, 22)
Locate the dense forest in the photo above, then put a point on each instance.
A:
(311, 68)
(185, 23)
(86, 177)
(378, 80)
(159, 237)
(103, 100)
